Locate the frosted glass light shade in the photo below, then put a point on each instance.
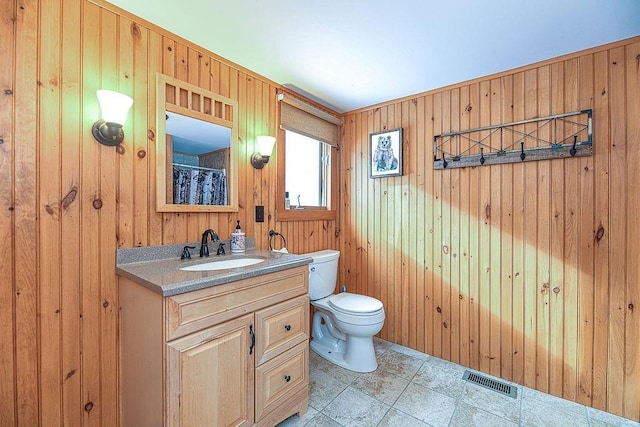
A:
(114, 106)
(265, 144)
(265, 147)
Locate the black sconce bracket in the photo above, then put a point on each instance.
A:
(107, 133)
(258, 161)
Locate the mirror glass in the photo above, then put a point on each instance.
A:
(199, 153)
(196, 149)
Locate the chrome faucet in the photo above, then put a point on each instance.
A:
(204, 249)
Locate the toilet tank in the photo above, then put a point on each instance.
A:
(323, 273)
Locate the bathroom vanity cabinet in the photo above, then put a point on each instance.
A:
(233, 354)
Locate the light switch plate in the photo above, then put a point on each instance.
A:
(259, 213)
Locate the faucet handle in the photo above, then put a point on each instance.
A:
(220, 249)
(185, 252)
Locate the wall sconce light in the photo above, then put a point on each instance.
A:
(115, 107)
(265, 147)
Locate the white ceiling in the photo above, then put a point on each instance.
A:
(349, 54)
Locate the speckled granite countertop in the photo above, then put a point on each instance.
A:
(158, 267)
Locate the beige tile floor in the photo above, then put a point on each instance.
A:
(414, 389)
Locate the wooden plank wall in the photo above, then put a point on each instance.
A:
(68, 202)
(525, 271)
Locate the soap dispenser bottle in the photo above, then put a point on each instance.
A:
(237, 240)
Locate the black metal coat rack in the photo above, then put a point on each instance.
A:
(551, 137)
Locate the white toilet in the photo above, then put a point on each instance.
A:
(343, 324)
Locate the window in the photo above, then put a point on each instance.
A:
(307, 170)
(307, 161)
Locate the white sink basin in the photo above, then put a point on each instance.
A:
(224, 264)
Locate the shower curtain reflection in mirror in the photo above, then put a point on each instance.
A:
(199, 154)
(194, 185)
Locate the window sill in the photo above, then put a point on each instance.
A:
(307, 214)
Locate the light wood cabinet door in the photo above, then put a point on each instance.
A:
(210, 376)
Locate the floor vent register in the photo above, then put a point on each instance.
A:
(491, 384)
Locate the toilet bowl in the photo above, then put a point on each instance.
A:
(343, 324)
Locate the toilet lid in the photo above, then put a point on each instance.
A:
(354, 303)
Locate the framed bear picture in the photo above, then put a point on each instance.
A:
(385, 153)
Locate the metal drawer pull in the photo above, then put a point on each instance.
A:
(287, 327)
(287, 378)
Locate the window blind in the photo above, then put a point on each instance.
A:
(305, 119)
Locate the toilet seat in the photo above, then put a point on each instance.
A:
(352, 317)
(355, 304)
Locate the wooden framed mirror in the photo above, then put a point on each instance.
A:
(196, 149)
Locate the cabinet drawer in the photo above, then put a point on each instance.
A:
(281, 378)
(192, 311)
(280, 327)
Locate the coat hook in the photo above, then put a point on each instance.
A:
(573, 149)
(481, 155)
(522, 155)
(444, 162)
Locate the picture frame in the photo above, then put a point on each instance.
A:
(385, 153)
